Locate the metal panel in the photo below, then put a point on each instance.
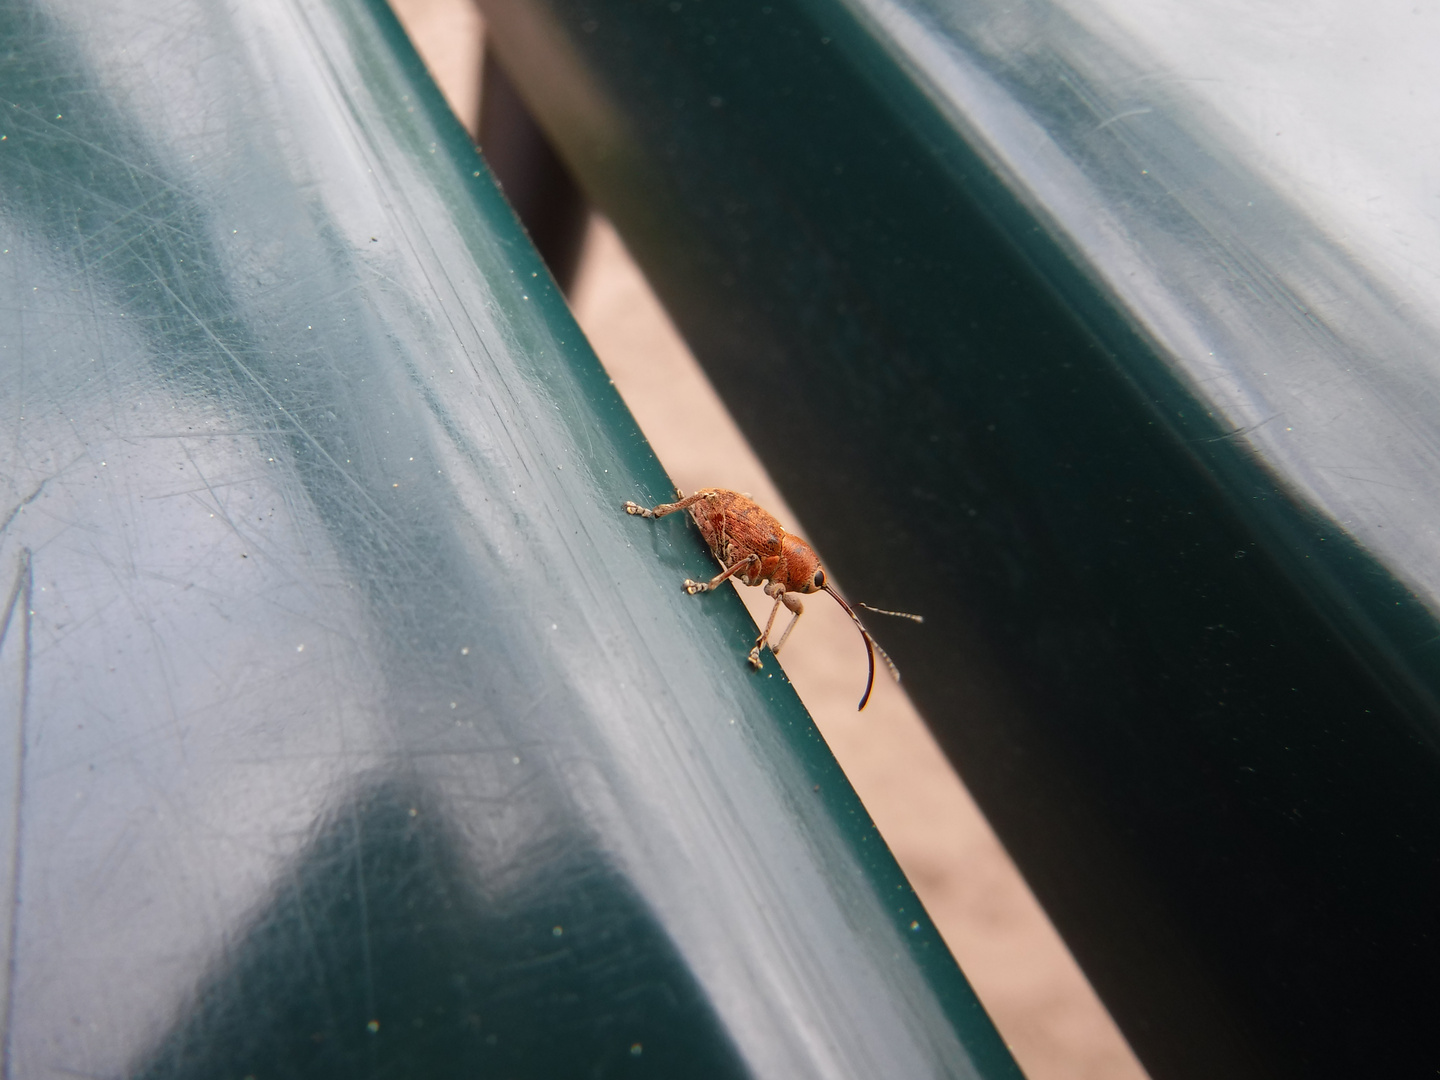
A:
(1037, 344)
(350, 727)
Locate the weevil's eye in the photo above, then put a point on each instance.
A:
(819, 579)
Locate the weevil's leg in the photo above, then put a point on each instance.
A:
(693, 587)
(792, 602)
(665, 508)
(754, 656)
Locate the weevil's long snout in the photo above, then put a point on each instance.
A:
(871, 647)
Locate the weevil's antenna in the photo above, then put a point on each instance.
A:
(897, 614)
(871, 647)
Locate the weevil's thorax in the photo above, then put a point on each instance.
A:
(799, 567)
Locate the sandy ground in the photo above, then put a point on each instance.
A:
(1042, 1004)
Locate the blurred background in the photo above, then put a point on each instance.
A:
(1022, 971)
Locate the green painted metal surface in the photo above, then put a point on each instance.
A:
(1033, 347)
(348, 727)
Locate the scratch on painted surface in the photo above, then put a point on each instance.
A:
(18, 604)
(26, 501)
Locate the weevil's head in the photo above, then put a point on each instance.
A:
(803, 573)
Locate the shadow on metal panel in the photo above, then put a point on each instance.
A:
(381, 953)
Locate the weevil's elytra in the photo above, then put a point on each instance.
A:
(753, 547)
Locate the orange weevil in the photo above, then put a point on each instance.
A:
(754, 547)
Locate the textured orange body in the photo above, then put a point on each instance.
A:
(733, 526)
(753, 547)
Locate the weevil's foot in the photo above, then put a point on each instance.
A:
(754, 658)
(693, 587)
(636, 508)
